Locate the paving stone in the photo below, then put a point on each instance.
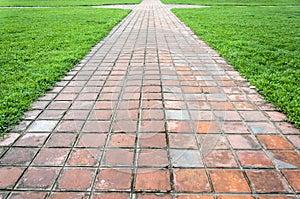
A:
(273, 142)
(76, 179)
(9, 176)
(293, 178)
(157, 140)
(151, 112)
(37, 177)
(28, 195)
(51, 157)
(185, 158)
(179, 126)
(18, 156)
(220, 158)
(260, 180)
(111, 196)
(191, 180)
(152, 179)
(243, 142)
(91, 140)
(61, 140)
(185, 141)
(9, 139)
(254, 159)
(84, 157)
(153, 158)
(42, 126)
(229, 181)
(68, 195)
(32, 139)
(177, 115)
(118, 157)
(114, 179)
(286, 159)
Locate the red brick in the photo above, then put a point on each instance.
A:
(96, 126)
(295, 139)
(9, 138)
(154, 196)
(69, 126)
(28, 195)
(207, 127)
(68, 195)
(220, 158)
(61, 140)
(32, 139)
(37, 177)
(114, 179)
(51, 156)
(9, 176)
(85, 157)
(287, 128)
(244, 106)
(127, 114)
(175, 105)
(18, 156)
(260, 180)
(287, 159)
(253, 116)
(293, 177)
(153, 179)
(111, 196)
(190, 196)
(235, 197)
(153, 126)
(153, 157)
(179, 127)
(225, 106)
(254, 159)
(152, 114)
(76, 179)
(122, 140)
(274, 142)
(91, 140)
(110, 105)
(191, 180)
(114, 157)
(182, 141)
(229, 181)
(76, 114)
(243, 142)
(125, 126)
(234, 127)
(152, 140)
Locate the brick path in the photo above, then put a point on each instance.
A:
(151, 112)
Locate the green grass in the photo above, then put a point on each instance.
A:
(56, 3)
(39, 46)
(234, 2)
(262, 43)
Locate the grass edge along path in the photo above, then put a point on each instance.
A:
(63, 3)
(39, 46)
(235, 2)
(262, 43)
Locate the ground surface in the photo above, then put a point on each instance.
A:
(262, 43)
(151, 112)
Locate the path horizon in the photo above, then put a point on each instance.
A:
(151, 112)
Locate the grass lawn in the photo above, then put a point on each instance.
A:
(39, 46)
(234, 2)
(262, 43)
(64, 2)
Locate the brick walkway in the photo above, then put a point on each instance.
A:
(151, 112)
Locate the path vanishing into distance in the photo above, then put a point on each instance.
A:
(151, 112)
